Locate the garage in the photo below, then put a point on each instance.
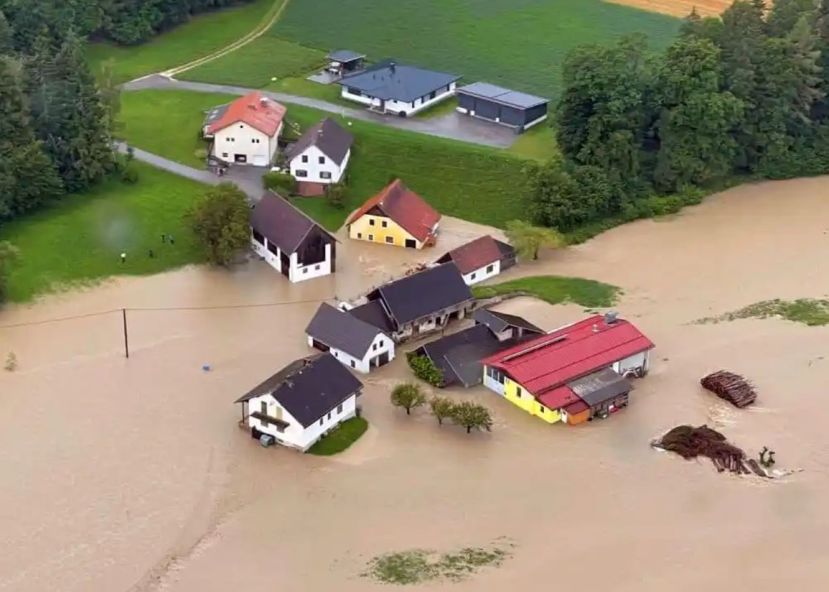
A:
(503, 106)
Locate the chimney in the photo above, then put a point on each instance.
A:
(611, 317)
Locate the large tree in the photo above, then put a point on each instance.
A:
(528, 239)
(220, 222)
(785, 14)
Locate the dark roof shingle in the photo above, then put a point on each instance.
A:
(500, 321)
(281, 223)
(328, 136)
(389, 80)
(342, 331)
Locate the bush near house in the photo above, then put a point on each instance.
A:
(425, 369)
(343, 436)
(282, 183)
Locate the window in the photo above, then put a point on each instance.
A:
(304, 158)
(241, 127)
(316, 267)
(304, 270)
(301, 173)
(518, 391)
(355, 91)
(371, 237)
(254, 140)
(432, 94)
(280, 428)
(321, 160)
(371, 221)
(340, 408)
(359, 235)
(472, 277)
(231, 140)
(329, 415)
(321, 418)
(325, 175)
(353, 365)
(541, 408)
(273, 248)
(384, 224)
(257, 236)
(224, 154)
(263, 406)
(390, 240)
(374, 346)
(489, 268)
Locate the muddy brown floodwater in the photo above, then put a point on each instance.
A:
(130, 475)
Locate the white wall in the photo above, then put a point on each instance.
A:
(296, 272)
(313, 168)
(482, 274)
(356, 98)
(240, 138)
(262, 251)
(493, 384)
(396, 107)
(295, 435)
(380, 345)
(640, 360)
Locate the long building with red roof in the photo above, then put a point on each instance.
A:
(574, 373)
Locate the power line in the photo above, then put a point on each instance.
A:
(59, 319)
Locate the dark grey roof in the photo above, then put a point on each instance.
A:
(342, 331)
(505, 96)
(390, 80)
(281, 223)
(424, 293)
(345, 55)
(215, 113)
(309, 388)
(328, 136)
(499, 321)
(374, 314)
(600, 386)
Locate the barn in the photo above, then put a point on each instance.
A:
(502, 105)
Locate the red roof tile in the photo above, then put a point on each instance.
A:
(405, 207)
(570, 352)
(577, 407)
(254, 109)
(474, 255)
(559, 397)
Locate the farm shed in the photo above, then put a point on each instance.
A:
(345, 61)
(502, 105)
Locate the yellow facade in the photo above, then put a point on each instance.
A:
(370, 228)
(517, 395)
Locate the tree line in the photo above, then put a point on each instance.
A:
(123, 21)
(743, 94)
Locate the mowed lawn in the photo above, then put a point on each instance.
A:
(517, 43)
(476, 183)
(80, 238)
(204, 34)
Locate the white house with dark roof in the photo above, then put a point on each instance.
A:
(289, 241)
(301, 403)
(321, 155)
(399, 89)
(352, 341)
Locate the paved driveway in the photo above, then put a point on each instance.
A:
(452, 125)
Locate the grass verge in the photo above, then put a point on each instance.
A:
(80, 239)
(555, 290)
(204, 34)
(537, 143)
(341, 438)
(812, 312)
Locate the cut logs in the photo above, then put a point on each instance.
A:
(690, 442)
(729, 386)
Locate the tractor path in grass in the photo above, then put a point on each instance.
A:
(452, 125)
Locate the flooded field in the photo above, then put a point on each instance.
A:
(131, 474)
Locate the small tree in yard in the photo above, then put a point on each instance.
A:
(472, 415)
(425, 370)
(336, 195)
(528, 239)
(408, 396)
(441, 408)
(221, 222)
(8, 255)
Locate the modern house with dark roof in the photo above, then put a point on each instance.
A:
(292, 243)
(245, 131)
(351, 340)
(342, 62)
(481, 259)
(320, 156)
(573, 374)
(502, 105)
(400, 89)
(458, 356)
(301, 403)
(420, 303)
(395, 216)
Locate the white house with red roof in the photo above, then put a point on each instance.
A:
(573, 374)
(481, 259)
(245, 131)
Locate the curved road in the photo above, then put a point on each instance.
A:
(453, 125)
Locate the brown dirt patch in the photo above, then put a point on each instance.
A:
(679, 8)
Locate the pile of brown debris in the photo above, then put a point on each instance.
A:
(690, 442)
(732, 387)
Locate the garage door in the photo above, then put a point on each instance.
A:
(260, 160)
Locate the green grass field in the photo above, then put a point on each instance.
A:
(341, 438)
(517, 43)
(255, 64)
(80, 239)
(555, 290)
(204, 34)
(480, 184)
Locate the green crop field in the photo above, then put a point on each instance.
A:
(476, 183)
(517, 43)
(81, 237)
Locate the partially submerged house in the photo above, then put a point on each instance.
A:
(245, 131)
(572, 374)
(419, 303)
(481, 259)
(351, 340)
(458, 356)
(342, 62)
(511, 108)
(320, 157)
(292, 243)
(395, 216)
(389, 87)
(301, 403)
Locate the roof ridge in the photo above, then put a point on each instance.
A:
(301, 213)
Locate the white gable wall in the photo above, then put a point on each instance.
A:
(296, 272)
(381, 344)
(242, 139)
(314, 170)
(396, 107)
(482, 274)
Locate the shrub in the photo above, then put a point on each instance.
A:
(336, 195)
(201, 154)
(278, 182)
(129, 174)
(425, 370)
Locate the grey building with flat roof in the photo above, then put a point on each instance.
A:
(501, 105)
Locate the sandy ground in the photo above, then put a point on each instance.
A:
(131, 475)
(680, 8)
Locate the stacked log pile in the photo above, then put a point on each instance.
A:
(732, 387)
(690, 442)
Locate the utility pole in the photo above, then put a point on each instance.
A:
(126, 337)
